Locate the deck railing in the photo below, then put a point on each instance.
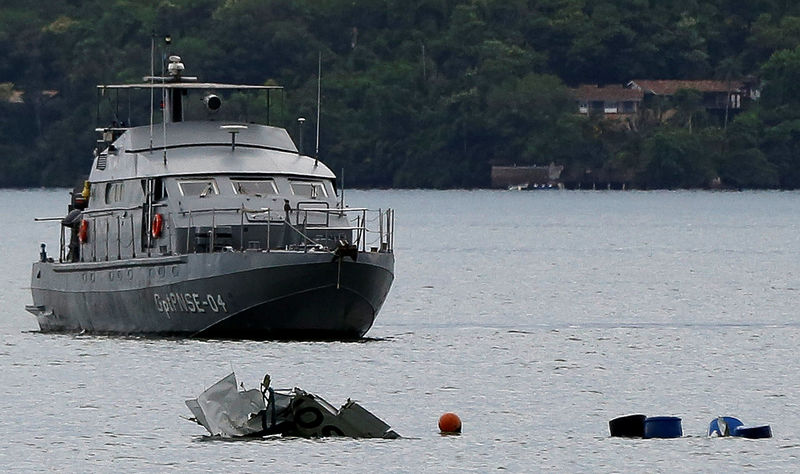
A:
(373, 229)
(122, 235)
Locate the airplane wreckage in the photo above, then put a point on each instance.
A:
(227, 412)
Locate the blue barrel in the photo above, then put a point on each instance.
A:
(662, 427)
(729, 429)
(753, 432)
(629, 426)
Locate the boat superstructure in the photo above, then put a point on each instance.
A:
(211, 228)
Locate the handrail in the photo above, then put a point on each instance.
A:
(218, 230)
(384, 218)
(328, 227)
(110, 209)
(331, 210)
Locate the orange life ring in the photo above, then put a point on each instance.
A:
(83, 232)
(158, 226)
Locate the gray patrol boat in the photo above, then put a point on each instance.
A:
(211, 228)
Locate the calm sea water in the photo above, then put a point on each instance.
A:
(536, 316)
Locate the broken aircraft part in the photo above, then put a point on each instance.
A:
(227, 412)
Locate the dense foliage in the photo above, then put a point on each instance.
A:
(426, 93)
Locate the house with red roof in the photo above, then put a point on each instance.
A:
(716, 94)
(630, 101)
(612, 100)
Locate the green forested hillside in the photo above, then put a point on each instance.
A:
(425, 93)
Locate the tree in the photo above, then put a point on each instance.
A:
(780, 114)
(727, 70)
(422, 93)
(688, 103)
(679, 159)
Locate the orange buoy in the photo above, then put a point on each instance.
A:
(450, 423)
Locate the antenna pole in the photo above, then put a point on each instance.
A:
(152, 90)
(165, 99)
(319, 89)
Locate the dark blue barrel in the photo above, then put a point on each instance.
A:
(753, 432)
(662, 427)
(630, 426)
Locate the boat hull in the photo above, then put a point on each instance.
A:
(241, 295)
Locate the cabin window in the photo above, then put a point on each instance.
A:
(198, 187)
(254, 187)
(115, 192)
(311, 189)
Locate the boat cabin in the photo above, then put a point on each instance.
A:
(210, 185)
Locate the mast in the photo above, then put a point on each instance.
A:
(319, 89)
(175, 96)
(152, 89)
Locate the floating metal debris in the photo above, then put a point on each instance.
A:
(227, 412)
(730, 426)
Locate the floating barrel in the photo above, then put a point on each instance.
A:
(753, 432)
(724, 426)
(629, 426)
(662, 427)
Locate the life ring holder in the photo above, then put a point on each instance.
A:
(83, 232)
(158, 226)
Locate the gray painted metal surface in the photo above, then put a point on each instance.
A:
(212, 229)
(232, 294)
(203, 148)
(227, 412)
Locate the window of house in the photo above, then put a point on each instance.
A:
(311, 189)
(254, 187)
(198, 187)
(628, 106)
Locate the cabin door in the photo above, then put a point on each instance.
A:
(155, 195)
(147, 214)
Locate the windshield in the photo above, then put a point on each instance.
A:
(254, 187)
(312, 189)
(198, 187)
